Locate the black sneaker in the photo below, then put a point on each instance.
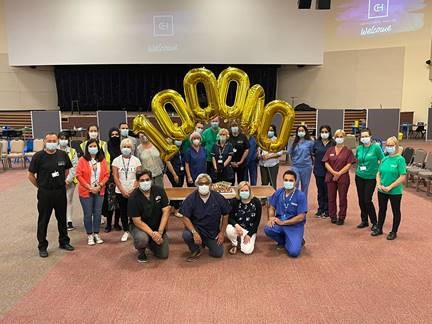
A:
(66, 247)
(362, 225)
(377, 232)
(374, 227)
(318, 214)
(108, 229)
(194, 256)
(70, 226)
(340, 222)
(391, 236)
(142, 257)
(43, 253)
(334, 220)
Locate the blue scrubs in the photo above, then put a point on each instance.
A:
(290, 236)
(252, 162)
(301, 158)
(197, 161)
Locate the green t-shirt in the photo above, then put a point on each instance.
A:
(368, 160)
(390, 169)
(186, 145)
(208, 139)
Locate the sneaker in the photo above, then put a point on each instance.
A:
(194, 256)
(362, 225)
(70, 226)
(377, 232)
(90, 240)
(142, 257)
(43, 253)
(318, 214)
(391, 236)
(98, 239)
(125, 237)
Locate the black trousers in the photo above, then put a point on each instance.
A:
(365, 190)
(322, 194)
(123, 211)
(269, 175)
(395, 202)
(175, 203)
(239, 174)
(49, 200)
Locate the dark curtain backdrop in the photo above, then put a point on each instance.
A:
(132, 87)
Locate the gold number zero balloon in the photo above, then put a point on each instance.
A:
(287, 112)
(171, 129)
(242, 80)
(208, 79)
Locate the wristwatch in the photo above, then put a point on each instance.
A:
(193, 231)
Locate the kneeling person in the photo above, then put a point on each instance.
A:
(149, 209)
(202, 211)
(287, 216)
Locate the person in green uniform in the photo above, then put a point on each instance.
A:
(368, 156)
(187, 144)
(209, 139)
(390, 177)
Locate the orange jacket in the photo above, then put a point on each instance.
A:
(83, 174)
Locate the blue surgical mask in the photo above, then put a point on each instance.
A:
(126, 151)
(124, 132)
(63, 142)
(244, 195)
(390, 150)
(339, 140)
(270, 134)
(51, 146)
(214, 125)
(145, 185)
(178, 143)
(301, 134)
(234, 129)
(93, 150)
(288, 185)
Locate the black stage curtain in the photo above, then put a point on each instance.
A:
(132, 87)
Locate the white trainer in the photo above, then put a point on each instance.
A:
(98, 239)
(125, 236)
(90, 240)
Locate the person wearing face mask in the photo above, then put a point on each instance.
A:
(92, 174)
(323, 142)
(93, 133)
(124, 168)
(244, 219)
(48, 172)
(205, 216)
(148, 209)
(222, 154)
(124, 133)
(195, 159)
(209, 139)
(71, 180)
(338, 161)
(301, 157)
(199, 128)
(110, 206)
(269, 162)
(176, 171)
(252, 162)
(287, 216)
(369, 156)
(150, 159)
(240, 145)
(390, 178)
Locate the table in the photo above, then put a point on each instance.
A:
(260, 192)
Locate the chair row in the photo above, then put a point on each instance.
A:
(15, 151)
(419, 168)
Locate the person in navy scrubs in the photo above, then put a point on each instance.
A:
(287, 216)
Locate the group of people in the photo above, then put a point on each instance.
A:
(122, 179)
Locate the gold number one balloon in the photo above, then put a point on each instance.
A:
(248, 107)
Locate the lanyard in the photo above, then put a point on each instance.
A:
(94, 168)
(126, 169)
(221, 152)
(365, 152)
(286, 204)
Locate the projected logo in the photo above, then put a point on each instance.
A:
(163, 25)
(378, 9)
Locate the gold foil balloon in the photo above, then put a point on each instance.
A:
(208, 79)
(168, 127)
(287, 112)
(253, 110)
(166, 149)
(242, 80)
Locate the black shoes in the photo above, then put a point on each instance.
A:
(362, 225)
(117, 227)
(43, 253)
(67, 247)
(194, 256)
(391, 236)
(340, 222)
(303, 242)
(374, 227)
(377, 232)
(108, 229)
(142, 257)
(334, 220)
(70, 226)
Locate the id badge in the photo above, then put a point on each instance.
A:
(220, 161)
(362, 168)
(181, 168)
(55, 174)
(235, 150)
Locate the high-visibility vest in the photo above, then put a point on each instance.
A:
(104, 147)
(71, 153)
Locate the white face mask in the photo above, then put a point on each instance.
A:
(235, 129)
(126, 151)
(93, 135)
(222, 138)
(196, 142)
(288, 185)
(301, 134)
(204, 190)
(365, 140)
(178, 143)
(145, 185)
(63, 142)
(199, 130)
(124, 132)
(51, 146)
(324, 135)
(270, 134)
(339, 140)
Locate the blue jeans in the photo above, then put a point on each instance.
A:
(215, 250)
(251, 173)
(303, 177)
(92, 209)
(290, 236)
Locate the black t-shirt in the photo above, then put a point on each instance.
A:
(50, 169)
(240, 144)
(247, 216)
(150, 209)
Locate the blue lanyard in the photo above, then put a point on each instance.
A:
(286, 205)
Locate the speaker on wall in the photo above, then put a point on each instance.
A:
(323, 4)
(304, 4)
